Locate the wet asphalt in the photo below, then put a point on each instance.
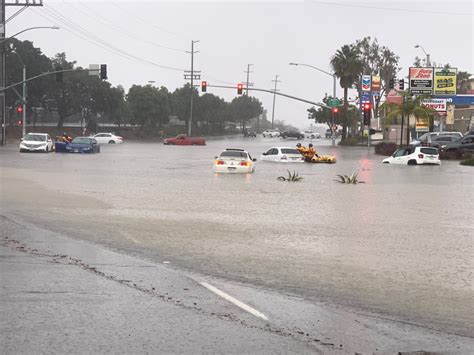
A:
(398, 247)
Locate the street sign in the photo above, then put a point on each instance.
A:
(94, 69)
(366, 82)
(334, 102)
(376, 85)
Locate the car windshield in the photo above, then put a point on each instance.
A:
(234, 154)
(35, 137)
(289, 151)
(81, 140)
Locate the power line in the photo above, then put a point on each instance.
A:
(105, 22)
(142, 20)
(81, 32)
(393, 9)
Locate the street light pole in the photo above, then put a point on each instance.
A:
(333, 75)
(428, 62)
(24, 101)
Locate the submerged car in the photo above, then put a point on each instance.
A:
(83, 145)
(292, 134)
(414, 156)
(107, 138)
(270, 133)
(311, 135)
(234, 161)
(183, 139)
(283, 155)
(36, 142)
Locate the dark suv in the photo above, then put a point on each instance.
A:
(292, 134)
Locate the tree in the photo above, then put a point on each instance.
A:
(463, 82)
(149, 106)
(412, 106)
(347, 66)
(244, 108)
(377, 60)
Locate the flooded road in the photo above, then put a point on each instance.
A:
(400, 246)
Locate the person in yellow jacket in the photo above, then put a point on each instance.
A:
(309, 153)
(301, 148)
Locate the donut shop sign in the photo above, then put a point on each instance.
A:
(439, 105)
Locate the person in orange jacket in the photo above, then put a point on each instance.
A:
(301, 148)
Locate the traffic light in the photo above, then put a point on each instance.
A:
(401, 84)
(391, 84)
(335, 110)
(203, 86)
(59, 75)
(19, 109)
(367, 113)
(240, 88)
(103, 71)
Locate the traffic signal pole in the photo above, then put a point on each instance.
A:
(272, 92)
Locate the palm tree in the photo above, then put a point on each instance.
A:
(411, 106)
(463, 82)
(348, 67)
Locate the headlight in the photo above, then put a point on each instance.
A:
(443, 146)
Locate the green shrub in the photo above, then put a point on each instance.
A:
(291, 177)
(467, 162)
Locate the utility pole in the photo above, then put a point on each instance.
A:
(276, 81)
(3, 5)
(191, 75)
(24, 102)
(247, 81)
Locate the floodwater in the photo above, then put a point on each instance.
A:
(400, 245)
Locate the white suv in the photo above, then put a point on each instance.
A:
(414, 156)
(271, 133)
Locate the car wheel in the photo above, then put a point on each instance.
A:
(111, 142)
(46, 149)
(412, 162)
(22, 150)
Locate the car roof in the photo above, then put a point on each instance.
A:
(38, 134)
(239, 150)
(283, 148)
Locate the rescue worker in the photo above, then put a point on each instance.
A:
(66, 137)
(309, 153)
(300, 148)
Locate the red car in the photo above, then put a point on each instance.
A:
(183, 139)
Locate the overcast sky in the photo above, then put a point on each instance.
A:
(267, 34)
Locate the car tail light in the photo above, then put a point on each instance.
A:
(220, 162)
(421, 156)
(244, 163)
(284, 157)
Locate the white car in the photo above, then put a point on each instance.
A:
(36, 142)
(234, 161)
(414, 156)
(311, 135)
(271, 133)
(107, 138)
(283, 155)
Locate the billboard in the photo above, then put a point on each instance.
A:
(366, 83)
(445, 81)
(421, 80)
(376, 84)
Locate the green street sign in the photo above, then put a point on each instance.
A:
(334, 102)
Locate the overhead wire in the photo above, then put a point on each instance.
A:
(102, 20)
(392, 8)
(79, 31)
(142, 20)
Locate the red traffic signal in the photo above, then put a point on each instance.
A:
(203, 86)
(19, 109)
(335, 110)
(366, 107)
(240, 88)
